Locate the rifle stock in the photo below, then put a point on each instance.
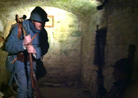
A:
(35, 87)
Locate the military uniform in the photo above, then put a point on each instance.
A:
(14, 46)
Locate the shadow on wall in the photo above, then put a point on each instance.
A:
(99, 56)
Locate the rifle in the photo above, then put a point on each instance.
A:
(99, 57)
(131, 53)
(35, 87)
(37, 93)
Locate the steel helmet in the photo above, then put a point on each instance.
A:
(38, 14)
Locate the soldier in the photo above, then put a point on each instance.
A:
(20, 48)
(122, 77)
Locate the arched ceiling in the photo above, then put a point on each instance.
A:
(75, 6)
(83, 9)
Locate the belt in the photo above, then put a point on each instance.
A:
(23, 58)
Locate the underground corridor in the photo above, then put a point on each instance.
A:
(87, 40)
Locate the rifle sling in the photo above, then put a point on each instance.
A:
(20, 30)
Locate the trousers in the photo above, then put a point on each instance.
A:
(23, 81)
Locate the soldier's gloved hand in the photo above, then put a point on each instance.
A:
(27, 39)
(30, 49)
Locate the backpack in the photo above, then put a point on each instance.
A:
(10, 59)
(8, 28)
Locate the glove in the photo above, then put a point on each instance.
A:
(27, 39)
(30, 49)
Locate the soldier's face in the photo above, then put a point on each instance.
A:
(38, 25)
(119, 75)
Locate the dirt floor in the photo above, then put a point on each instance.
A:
(64, 92)
(58, 91)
